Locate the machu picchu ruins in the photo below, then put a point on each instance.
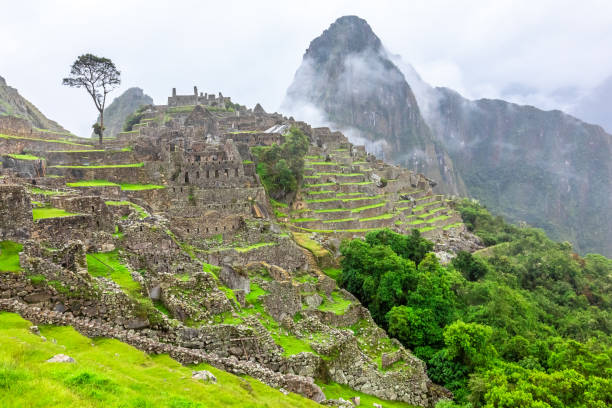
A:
(165, 235)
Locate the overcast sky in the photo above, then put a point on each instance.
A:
(543, 53)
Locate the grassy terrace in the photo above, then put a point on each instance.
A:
(313, 246)
(50, 212)
(450, 226)
(37, 190)
(340, 174)
(105, 183)
(9, 256)
(318, 185)
(338, 305)
(107, 264)
(339, 220)
(76, 151)
(24, 157)
(357, 183)
(320, 163)
(35, 139)
(379, 217)
(345, 200)
(109, 373)
(139, 210)
(358, 230)
(252, 247)
(100, 166)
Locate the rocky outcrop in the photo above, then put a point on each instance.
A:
(13, 104)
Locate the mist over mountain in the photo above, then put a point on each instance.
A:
(596, 106)
(13, 104)
(123, 106)
(347, 80)
(543, 167)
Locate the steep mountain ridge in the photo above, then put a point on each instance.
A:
(543, 167)
(546, 168)
(347, 74)
(13, 104)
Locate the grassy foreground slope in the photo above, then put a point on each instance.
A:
(108, 373)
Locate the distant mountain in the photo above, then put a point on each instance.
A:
(13, 104)
(596, 107)
(543, 167)
(123, 106)
(347, 74)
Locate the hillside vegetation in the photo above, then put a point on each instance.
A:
(108, 373)
(526, 323)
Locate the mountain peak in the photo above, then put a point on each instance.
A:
(2, 81)
(347, 35)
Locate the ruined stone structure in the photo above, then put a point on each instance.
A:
(198, 99)
(177, 203)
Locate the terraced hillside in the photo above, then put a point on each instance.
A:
(346, 192)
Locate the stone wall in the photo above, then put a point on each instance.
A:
(16, 220)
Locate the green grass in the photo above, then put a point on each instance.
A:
(107, 264)
(106, 183)
(338, 305)
(36, 190)
(450, 226)
(319, 185)
(367, 207)
(310, 244)
(24, 157)
(278, 204)
(319, 192)
(76, 151)
(247, 162)
(99, 166)
(335, 391)
(358, 230)
(357, 183)
(254, 246)
(341, 174)
(320, 163)
(338, 220)
(3, 136)
(92, 183)
(139, 210)
(379, 217)
(290, 344)
(333, 273)
(49, 212)
(139, 187)
(303, 219)
(109, 373)
(9, 256)
(331, 210)
(439, 218)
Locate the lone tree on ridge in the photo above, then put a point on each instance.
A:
(98, 76)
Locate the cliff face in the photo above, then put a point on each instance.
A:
(543, 167)
(13, 104)
(347, 74)
(123, 106)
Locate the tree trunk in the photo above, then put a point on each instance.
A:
(101, 125)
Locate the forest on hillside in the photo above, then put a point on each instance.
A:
(525, 322)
